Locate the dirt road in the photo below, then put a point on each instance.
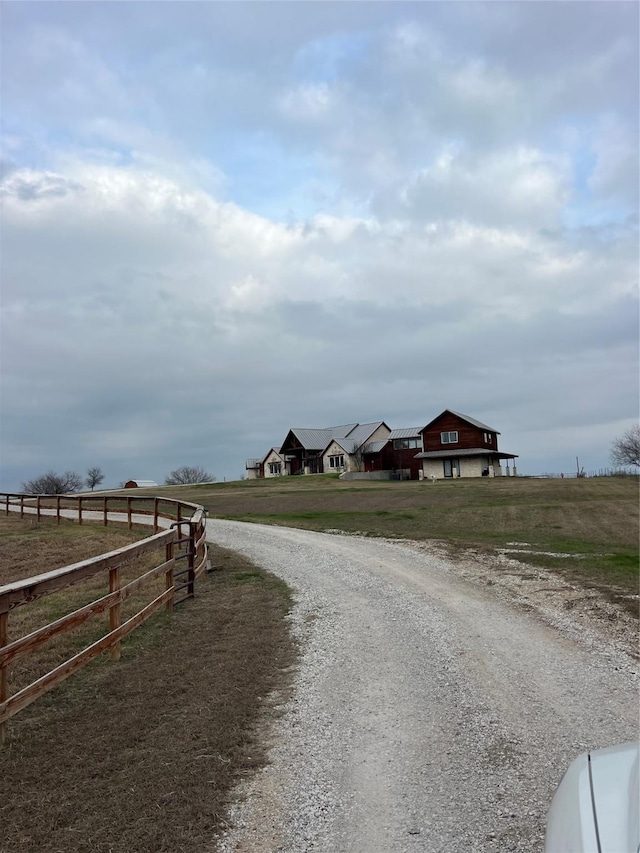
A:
(427, 714)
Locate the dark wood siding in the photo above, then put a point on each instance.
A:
(391, 460)
(468, 435)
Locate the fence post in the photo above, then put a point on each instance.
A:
(155, 515)
(79, 510)
(21, 506)
(38, 508)
(114, 610)
(57, 509)
(104, 509)
(6, 497)
(4, 632)
(169, 574)
(129, 522)
(191, 577)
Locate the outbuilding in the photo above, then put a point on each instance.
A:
(140, 484)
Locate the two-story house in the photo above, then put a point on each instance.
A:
(455, 445)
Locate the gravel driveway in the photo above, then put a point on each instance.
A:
(428, 714)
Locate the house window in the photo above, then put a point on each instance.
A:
(405, 443)
(449, 437)
(336, 462)
(487, 438)
(275, 467)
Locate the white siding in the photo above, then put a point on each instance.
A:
(272, 458)
(470, 466)
(380, 434)
(334, 449)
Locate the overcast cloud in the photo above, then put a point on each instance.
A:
(221, 220)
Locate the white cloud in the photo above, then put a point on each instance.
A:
(364, 215)
(521, 187)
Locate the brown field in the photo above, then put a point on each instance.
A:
(585, 529)
(141, 754)
(29, 547)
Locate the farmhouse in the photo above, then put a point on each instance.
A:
(456, 445)
(451, 445)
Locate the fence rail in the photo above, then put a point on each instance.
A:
(578, 475)
(168, 513)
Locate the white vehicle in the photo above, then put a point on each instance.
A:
(596, 808)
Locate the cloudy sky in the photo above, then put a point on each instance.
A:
(221, 220)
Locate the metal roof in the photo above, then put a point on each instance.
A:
(312, 439)
(341, 431)
(318, 439)
(361, 432)
(347, 444)
(375, 446)
(407, 432)
(252, 463)
(474, 422)
(269, 452)
(143, 484)
(464, 451)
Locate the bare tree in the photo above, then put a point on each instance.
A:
(626, 449)
(357, 456)
(188, 474)
(94, 477)
(53, 484)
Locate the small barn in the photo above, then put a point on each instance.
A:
(140, 484)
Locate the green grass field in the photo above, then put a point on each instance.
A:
(586, 528)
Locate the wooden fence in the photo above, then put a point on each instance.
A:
(184, 538)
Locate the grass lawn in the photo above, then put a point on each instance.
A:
(585, 528)
(141, 755)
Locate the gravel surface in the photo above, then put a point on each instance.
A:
(428, 713)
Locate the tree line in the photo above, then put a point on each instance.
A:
(53, 483)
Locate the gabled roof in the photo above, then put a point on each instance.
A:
(341, 431)
(310, 439)
(347, 444)
(269, 452)
(357, 438)
(466, 418)
(318, 439)
(407, 432)
(252, 463)
(362, 432)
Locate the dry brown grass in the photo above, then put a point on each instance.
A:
(584, 529)
(29, 547)
(141, 755)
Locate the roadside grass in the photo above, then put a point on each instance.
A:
(585, 529)
(142, 754)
